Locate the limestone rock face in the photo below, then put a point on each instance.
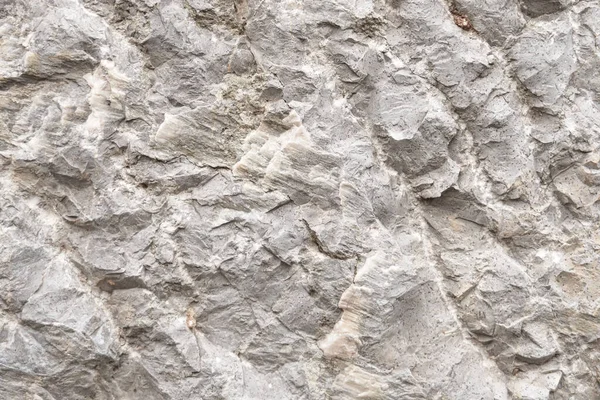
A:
(299, 199)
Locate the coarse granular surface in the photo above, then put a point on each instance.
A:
(299, 199)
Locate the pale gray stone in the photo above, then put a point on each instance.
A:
(299, 199)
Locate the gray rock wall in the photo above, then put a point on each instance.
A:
(299, 199)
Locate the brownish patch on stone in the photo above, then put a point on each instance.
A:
(462, 21)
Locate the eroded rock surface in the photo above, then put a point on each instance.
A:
(299, 199)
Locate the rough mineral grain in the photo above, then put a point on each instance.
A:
(299, 199)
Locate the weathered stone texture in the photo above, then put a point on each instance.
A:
(299, 199)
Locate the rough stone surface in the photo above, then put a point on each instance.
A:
(299, 199)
